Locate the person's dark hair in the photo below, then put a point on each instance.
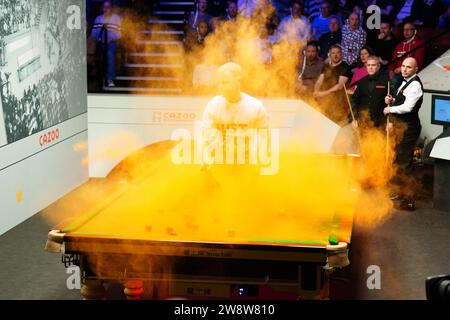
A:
(360, 64)
(409, 20)
(335, 18)
(335, 46)
(313, 44)
(299, 2)
(203, 21)
(386, 19)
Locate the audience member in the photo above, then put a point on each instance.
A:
(402, 51)
(345, 7)
(329, 89)
(312, 8)
(385, 43)
(247, 8)
(310, 69)
(359, 10)
(368, 99)
(196, 40)
(320, 24)
(294, 27)
(361, 68)
(231, 12)
(282, 7)
(110, 23)
(353, 39)
(200, 13)
(328, 39)
(217, 8)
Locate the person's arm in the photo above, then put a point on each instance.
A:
(279, 32)
(356, 101)
(412, 94)
(339, 86)
(95, 28)
(319, 82)
(119, 27)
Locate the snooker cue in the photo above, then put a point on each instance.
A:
(353, 115)
(387, 126)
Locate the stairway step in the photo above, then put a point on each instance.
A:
(164, 12)
(176, 3)
(156, 54)
(143, 90)
(153, 65)
(160, 42)
(155, 58)
(173, 32)
(153, 21)
(147, 78)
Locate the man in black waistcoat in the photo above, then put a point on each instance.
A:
(368, 98)
(404, 115)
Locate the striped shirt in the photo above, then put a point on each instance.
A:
(312, 7)
(352, 42)
(112, 25)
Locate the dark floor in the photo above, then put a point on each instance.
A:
(408, 248)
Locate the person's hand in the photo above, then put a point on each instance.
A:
(387, 110)
(384, 62)
(398, 70)
(388, 100)
(350, 92)
(319, 94)
(355, 124)
(300, 87)
(389, 127)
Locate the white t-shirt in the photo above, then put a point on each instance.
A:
(248, 113)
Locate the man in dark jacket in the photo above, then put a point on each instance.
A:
(368, 98)
(330, 38)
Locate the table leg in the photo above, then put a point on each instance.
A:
(325, 290)
(134, 289)
(93, 290)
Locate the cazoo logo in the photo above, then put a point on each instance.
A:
(159, 116)
(48, 137)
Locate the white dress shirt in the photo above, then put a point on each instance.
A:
(412, 94)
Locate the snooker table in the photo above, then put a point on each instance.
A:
(146, 235)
